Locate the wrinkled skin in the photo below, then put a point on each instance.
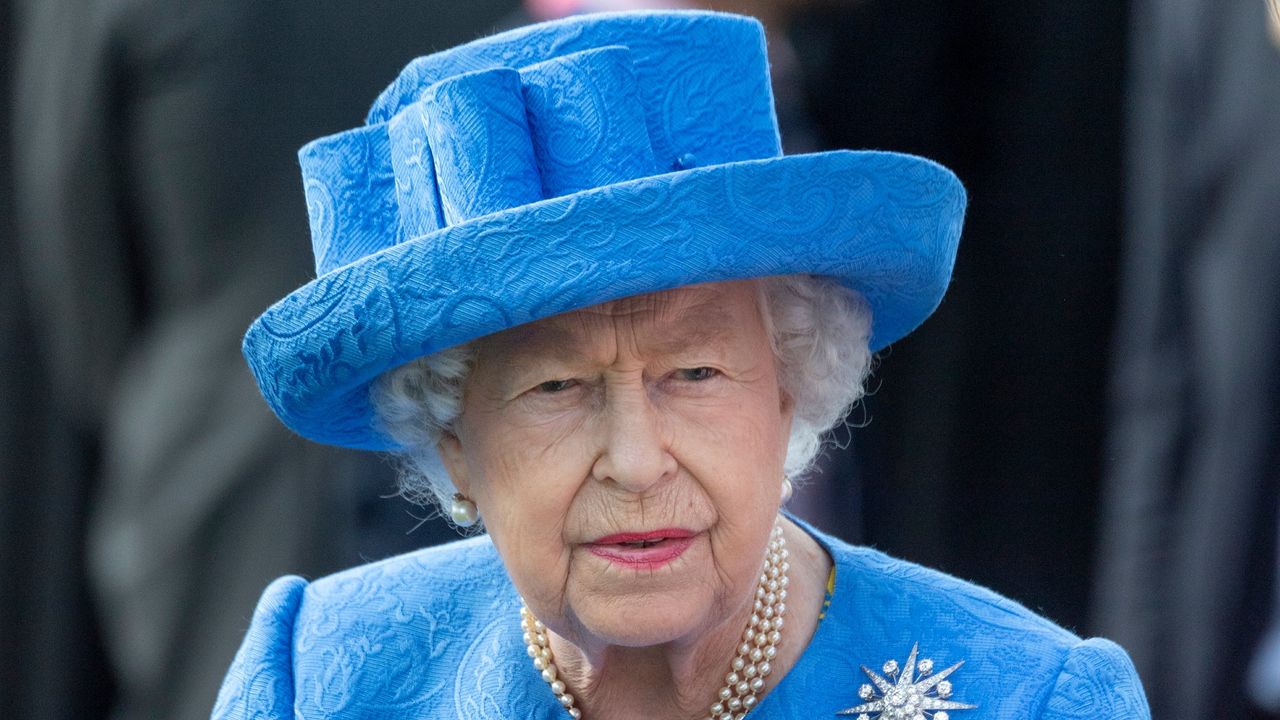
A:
(659, 411)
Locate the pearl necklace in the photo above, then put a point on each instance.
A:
(750, 666)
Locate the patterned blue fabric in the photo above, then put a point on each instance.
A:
(436, 634)
(563, 165)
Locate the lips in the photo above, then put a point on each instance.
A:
(643, 550)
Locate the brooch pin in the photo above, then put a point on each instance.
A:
(905, 695)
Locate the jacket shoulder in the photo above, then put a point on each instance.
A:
(383, 635)
(954, 599)
(1016, 662)
(1097, 680)
(259, 683)
(391, 638)
(424, 577)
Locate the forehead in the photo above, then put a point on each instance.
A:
(690, 314)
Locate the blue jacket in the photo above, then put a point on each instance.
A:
(436, 634)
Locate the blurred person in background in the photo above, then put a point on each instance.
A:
(1188, 561)
(154, 180)
(21, 409)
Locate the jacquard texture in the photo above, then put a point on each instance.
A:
(1098, 682)
(563, 165)
(260, 682)
(436, 634)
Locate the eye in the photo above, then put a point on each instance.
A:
(697, 374)
(555, 386)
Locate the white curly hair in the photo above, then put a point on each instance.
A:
(818, 329)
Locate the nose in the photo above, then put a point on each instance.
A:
(635, 451)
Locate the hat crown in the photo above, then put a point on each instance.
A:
(538, 113)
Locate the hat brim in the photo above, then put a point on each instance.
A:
(884, 224)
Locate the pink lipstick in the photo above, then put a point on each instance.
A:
(643, 550)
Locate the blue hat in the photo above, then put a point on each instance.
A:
(565, 164)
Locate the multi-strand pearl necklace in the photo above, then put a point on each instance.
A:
(750, 666)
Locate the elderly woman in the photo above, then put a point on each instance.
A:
(568, 275)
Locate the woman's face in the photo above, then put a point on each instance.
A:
(656, 418)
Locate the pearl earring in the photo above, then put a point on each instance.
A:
(463, 511)
(787, 489)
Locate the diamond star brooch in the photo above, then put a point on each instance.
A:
(912, 692)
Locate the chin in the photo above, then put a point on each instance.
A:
(645, 620)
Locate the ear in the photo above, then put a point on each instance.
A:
(455, 463)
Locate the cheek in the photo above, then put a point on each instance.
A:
(525, 488)
(735, 456)
(735, 450)
(738, 462)
(533, 474)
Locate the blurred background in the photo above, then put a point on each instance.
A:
(1090, 424)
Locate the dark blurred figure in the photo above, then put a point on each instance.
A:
(160, 209)
(27, 472)
(985, 438)
(1187, 558)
